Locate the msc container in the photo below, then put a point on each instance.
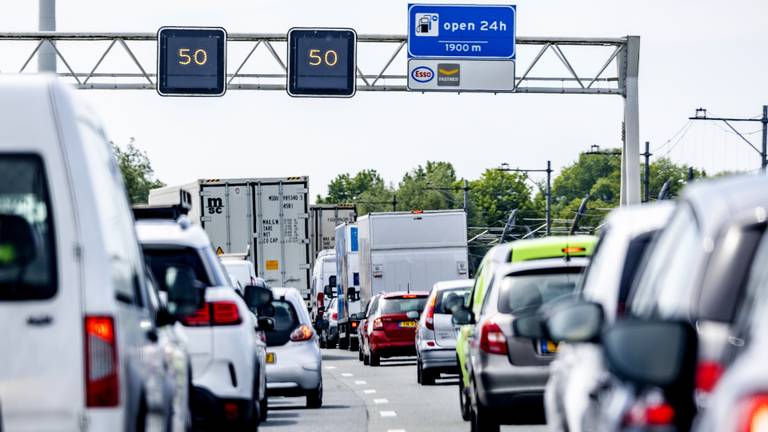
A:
(410, 251)
(267, 218)
(323, 220)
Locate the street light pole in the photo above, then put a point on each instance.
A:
(701, 114)
(548, 192)
(647, 179)
(46, 59)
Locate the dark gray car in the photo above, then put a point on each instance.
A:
(508, 374)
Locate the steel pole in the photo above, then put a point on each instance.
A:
(630, 161)
(764, 154)
(549, 199)
(647, 179)
(466, 196)
(46, 57)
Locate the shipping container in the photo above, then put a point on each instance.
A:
(323, 220)
(267, 218)
(348, 280)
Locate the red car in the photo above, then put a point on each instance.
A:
(389, 329)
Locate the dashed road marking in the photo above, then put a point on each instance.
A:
(369, 391)
(360, 382)
(330, 367)
(380, 401)
(388, 413)
(395, 430)
(346, 374)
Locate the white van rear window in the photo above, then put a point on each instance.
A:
(27, 249)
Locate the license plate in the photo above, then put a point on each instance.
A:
(271, 358)
(547, 347)
(408, 324)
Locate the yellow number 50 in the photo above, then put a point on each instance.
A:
(330, 57)
(200, 57)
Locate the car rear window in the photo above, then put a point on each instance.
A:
(442, 296)
(393, 305)
(528, 291)
(165, 263)
(286, 321)
(27, 271)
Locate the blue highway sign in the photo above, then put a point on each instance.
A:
(461, 31)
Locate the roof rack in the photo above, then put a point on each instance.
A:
(165, 211)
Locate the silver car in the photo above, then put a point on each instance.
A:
(436, 334)
(294, 362)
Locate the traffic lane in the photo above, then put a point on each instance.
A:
(395, 401)
(340, 404)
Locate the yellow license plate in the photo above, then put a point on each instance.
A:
(271, 358)
(548, 347)
(408, 324)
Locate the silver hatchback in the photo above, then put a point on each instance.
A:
(436, 334)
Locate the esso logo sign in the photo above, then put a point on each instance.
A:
(422, 74)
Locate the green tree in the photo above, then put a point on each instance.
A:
(429, 187)
(137, 171)
(496, 193)
(366, 189)
(663, 170)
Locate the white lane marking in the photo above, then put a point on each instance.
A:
(360, 382)
(395, 430)
(330, 367)
(369, 391)
(346, 374)
(388, 413)
(380, 401)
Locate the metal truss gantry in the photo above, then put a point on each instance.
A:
(250, 70)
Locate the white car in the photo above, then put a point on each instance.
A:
(293, 353)
(78, 337)
(227, 353)
(241, 271)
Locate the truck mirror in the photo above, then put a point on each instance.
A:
(352, 294)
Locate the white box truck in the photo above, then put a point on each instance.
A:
(410, 251)
(323, 220)
(267, 218)
(348, 281)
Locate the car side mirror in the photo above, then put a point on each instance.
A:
(267, 310)
(186, 294)
(330, 289)
(529, 326)
(164, 318)
(453, 302)
(352, 294)
(576, 322)
(463, 316)
(266, 323)
(257, 297)
(412, 315)
(18, 243)
(653, 353)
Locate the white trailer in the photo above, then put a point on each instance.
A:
(323, 220)
(411, 251)
(267, 218)
(348, 280)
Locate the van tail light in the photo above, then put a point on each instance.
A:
(753, 414)
(354, 324)
(320, 300)
(659, 414)
(102, 383)
(492, 340)
(429, 319)
(378, 324)
(302, 333)
(708, 374)
(222, 313)
(334, 316)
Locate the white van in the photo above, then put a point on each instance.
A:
(77, 333)
(323, 273)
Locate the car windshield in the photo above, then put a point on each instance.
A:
(395, 305)
(27, 268)
(528, 292)
(445, 297)
(166, 262)
(286, 321)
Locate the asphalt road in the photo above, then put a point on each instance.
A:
(381, 399)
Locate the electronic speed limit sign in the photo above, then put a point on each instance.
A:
(191, 61)
(322, 62)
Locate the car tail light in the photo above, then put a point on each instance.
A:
(334, 316)
(492, 340)
(102, 384)
(753, 414)
(708, 373)
(429, 319)
(320, 300)
(302, 333)
(221, 313)
(378, 324)
(650, 415)
(354, 324)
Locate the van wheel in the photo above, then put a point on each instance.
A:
(141, 416)
(354, 344)
(315, 397)
(375, 359)
(343, 342)
(263, 409)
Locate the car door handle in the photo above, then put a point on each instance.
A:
(39, 320)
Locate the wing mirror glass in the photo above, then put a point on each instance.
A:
(652, 353)
(186, 294)
(256, 297)
(463, 316)
(352, 294)
(576, 322)
(529, 326)
(330, 289)
(266, 323)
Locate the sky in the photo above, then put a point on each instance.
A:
(694, 53)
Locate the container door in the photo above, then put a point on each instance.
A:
(227, 217)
